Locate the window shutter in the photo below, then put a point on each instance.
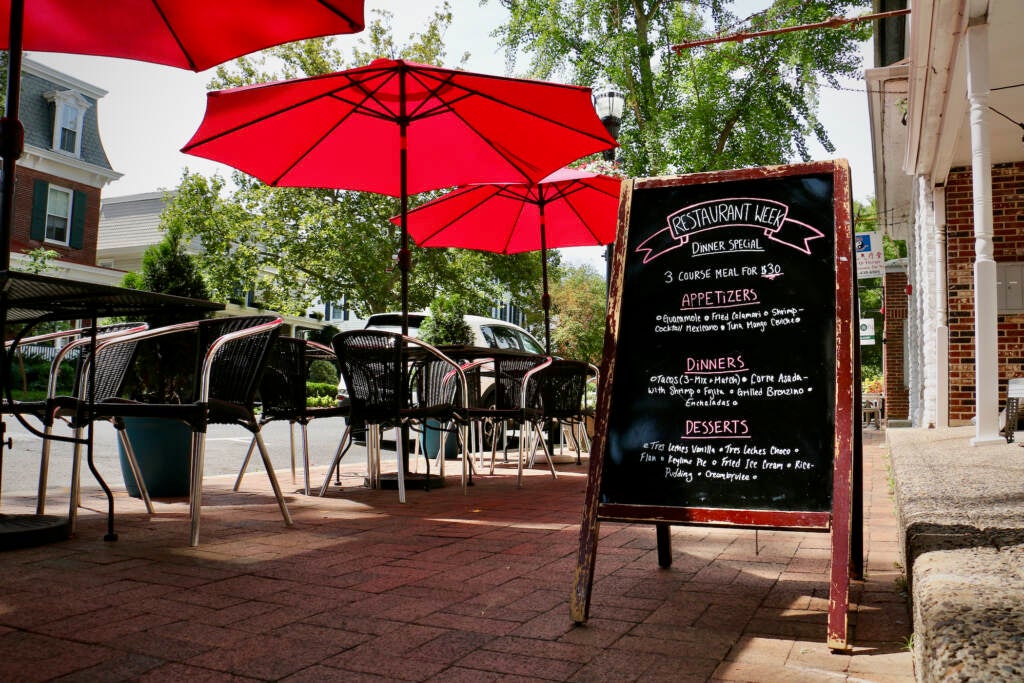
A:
(77, 221)
(40, 195)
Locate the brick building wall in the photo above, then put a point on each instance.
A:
(21, 240)
(1008, 230)
(897, 397)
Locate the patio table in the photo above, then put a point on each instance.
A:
(27, 300)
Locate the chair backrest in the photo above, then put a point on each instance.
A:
(237, 368)
(434, 383)
(282, 390)
(103, 332)
(560, 387)
(169, 362)
(509, 371)
(283, 387)
(108, 379)
(371, 365)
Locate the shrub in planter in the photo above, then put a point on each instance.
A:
(446, 323)
(163, 371)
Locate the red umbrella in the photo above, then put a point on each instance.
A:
(569, 208)
(399, 128)
(190, 34)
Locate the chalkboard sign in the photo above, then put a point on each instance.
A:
(724, 381)
(727, 387)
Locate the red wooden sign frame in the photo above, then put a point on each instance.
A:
(845, 487)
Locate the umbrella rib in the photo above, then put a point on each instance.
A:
(174, 34)
(251, 122)
(586, 226)
(526, 110)
(353, 26)
(469, 91)
(448, 224)
(355, 106)
(337, 12)
(508, 241)
(434, 94)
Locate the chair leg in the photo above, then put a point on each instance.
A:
(547, 449)
(133, 465)
(44, 471)
(195, 482)
(441, 451)
(519, 460)
(291, 445)
(465, 432)
(303, 428)
(585, 437)
(76, 477)
(346, 442)
(245, 464)
(373, 455)
(273, 478)
(576, 441)
(400, 447)
(414, 457)
(494, 442)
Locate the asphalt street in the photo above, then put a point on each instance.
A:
(225, 449)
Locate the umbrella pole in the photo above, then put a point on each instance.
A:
(404, 264)
(13, 135)
(12, 141)
(545, 299)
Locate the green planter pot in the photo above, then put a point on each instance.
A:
(162, 448)
(430, 441)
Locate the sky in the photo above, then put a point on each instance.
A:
(150, 111)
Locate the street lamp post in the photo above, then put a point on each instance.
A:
(609, 103)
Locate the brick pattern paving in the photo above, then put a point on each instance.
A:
(445, 588)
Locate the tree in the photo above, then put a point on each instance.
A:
(167, 268)
(578, 307)
(723, 106)
(296, 244)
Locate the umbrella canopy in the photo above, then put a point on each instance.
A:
(569, 208)
(190, 34)
(399, 128)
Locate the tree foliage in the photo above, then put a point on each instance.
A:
(578, 306)
(722, 106)
(295, 244)
(167, 268)
(446, 323)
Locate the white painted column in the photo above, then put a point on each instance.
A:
(986, 338)
(942, 324)
(924, 294)
(913, 351)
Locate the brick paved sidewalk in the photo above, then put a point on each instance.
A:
(445, 588)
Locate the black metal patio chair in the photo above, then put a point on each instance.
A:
(554, 393)
(394, 381)
(495, 402)
(220, 363)
(282, 396)
(71, 350)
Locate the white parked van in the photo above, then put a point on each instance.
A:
(487, 332)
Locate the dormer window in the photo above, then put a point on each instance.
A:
(69, 109)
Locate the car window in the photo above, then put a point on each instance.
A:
(528, 344)
(392, 322)
(489, 336)
(503, 337)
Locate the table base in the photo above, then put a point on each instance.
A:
(24, 531)
(414, 482)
